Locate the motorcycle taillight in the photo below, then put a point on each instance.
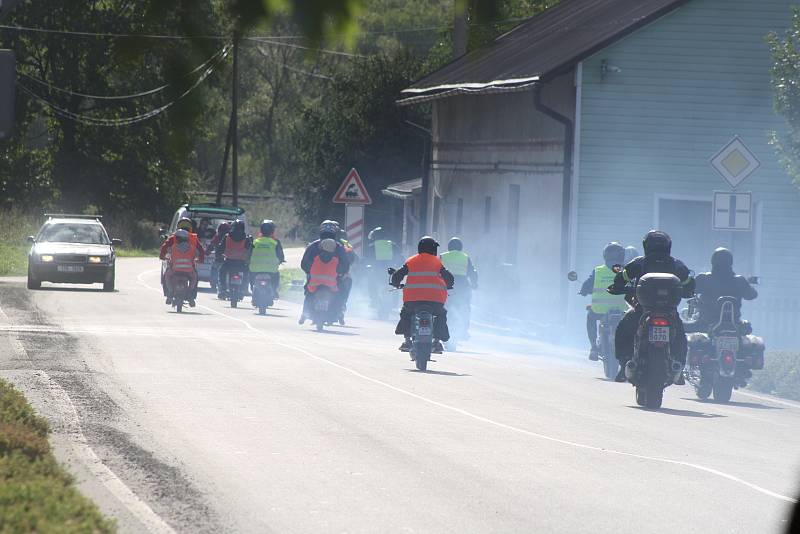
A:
(727, 358)
(659, 321)
(424, 322)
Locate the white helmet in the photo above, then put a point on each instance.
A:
(328, 245)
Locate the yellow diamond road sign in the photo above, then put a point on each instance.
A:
(735, 162)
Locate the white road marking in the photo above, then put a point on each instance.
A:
(486, 420)
(768, 399)
(80, 447)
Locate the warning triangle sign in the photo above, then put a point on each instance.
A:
(352, 190)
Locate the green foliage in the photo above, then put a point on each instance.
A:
(780, 376)
(786, 80)
(36, 494)
(357, 124)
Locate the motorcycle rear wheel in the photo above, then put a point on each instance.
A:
(610, 367)
(262, 310)
(654, 385)
(723, 388)
(320, 326)
(703, 390)
(179, 306)
(421, 356)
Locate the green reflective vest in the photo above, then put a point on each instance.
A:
(264, 258)
(384, 250)
(456, 261)
(602, 300)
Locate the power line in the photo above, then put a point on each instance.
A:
(125, 121)
(294, 69)
(51, 87)
(269, 41)
(111, 35)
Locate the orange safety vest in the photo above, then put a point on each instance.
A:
(424, 281)
(323, 274)
(235, 250)
(183, 260)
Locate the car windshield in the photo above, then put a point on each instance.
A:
(88, 234)
(206, 225)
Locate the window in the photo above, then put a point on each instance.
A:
(459, 215)
(87, 234)
(487, 214)
(513, 223)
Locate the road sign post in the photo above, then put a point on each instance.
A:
(354, 195)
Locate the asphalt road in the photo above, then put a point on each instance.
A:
(220, 420)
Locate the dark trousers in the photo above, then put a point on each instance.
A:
(591, 326)
(227, 267)
(626, 332)
(440, 330)
(345, 286)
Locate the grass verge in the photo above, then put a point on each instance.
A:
(137, 252)
(13, 259)
(37, 494)
(780, 376)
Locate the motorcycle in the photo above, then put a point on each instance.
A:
(322, 308)
(720, 360)
(235, 282)
(182, 288)
(263, 294)
(606, 334)
(458, 314)
(606, 337)
(422, 337)
(383, 301)
(652, 368)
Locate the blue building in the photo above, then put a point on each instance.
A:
(598, 120)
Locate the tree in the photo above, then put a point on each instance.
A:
(786, 80)
(357, 124)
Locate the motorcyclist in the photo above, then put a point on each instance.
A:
(460, 265)
(184, 223)
(426, 284)
(317, 261)
(602, 302)
(183, 252)
(657, 248)
(631, 253)
(267, 255)
(346, 282)
(382, 254)
(235, 249)
(722, 281)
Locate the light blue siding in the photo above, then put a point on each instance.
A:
(687, 84)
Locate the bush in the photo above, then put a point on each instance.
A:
(780, 376)
(36, 494)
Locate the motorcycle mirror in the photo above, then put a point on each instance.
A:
(617, 268)
(572, 276)
(31, 239)
(391, 271)
(692, 273)
(753, 280)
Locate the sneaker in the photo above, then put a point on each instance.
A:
(621, 375)
(437, 347)
(594, 354)
(192, 303)
(406, 346)
(168, 302)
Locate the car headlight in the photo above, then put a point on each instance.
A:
(98, 259)
(46, 258)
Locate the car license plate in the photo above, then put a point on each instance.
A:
(728, 344)
(425, 330)
(70, 268)
(659, 334)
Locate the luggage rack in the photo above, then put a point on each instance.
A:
(72, 216)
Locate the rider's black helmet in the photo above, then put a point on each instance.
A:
(722, 261)
(328, 230)
(267, 227)
(614, 254)
(657, 243)
(455, 244)
(428, 245)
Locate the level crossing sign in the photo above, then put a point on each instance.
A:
(733, 211)
(352, 191)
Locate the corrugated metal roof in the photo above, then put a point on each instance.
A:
(543, 45)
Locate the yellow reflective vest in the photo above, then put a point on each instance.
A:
(456, 261)
(602, 300)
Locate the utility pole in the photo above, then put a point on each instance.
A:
(8, 77)
(460, 28)
(224, 171)
(235, 122)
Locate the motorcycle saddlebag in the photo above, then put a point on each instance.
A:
(753, 346)
(659, 290)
